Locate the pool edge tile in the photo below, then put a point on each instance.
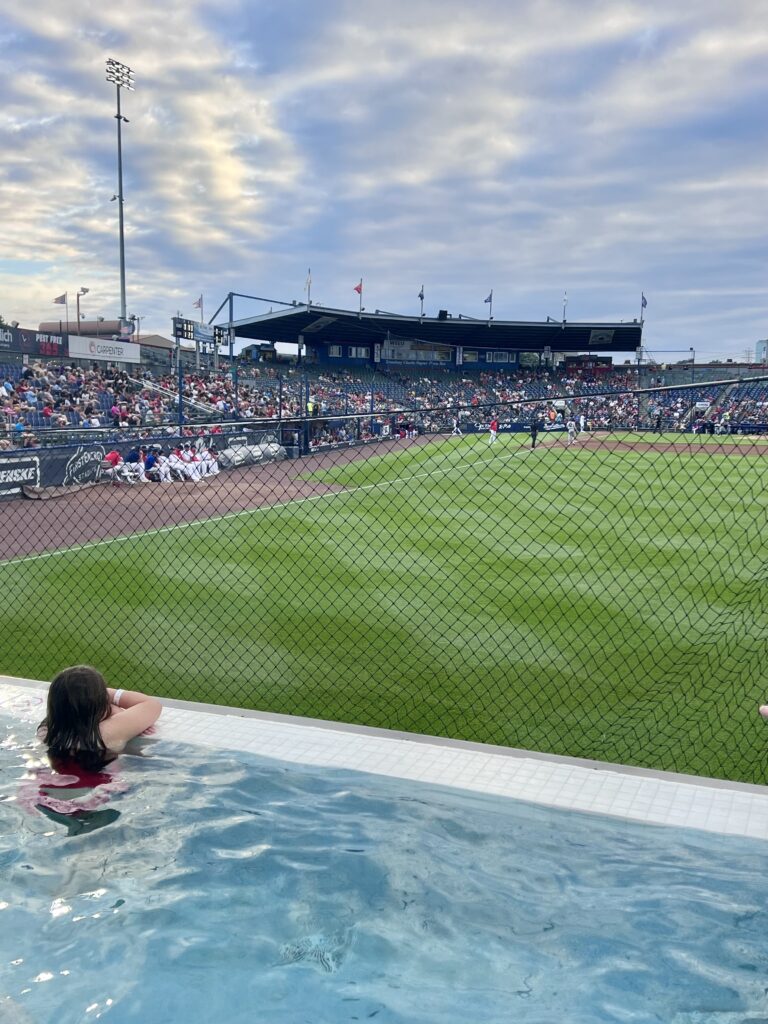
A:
(619, 791)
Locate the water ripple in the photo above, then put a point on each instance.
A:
(335, 896)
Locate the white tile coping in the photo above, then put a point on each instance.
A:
(638, 794)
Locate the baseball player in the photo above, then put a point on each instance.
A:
(115, 468)
(208, 461)
(494, 429)
(164, 466)
(185, 470)
(192, 460)
(134, 460)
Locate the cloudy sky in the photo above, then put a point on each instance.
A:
(529, 146)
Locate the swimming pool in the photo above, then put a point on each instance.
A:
(237, 888)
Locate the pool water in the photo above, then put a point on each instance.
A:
(224, 887)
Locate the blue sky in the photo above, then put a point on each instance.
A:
(531, 147)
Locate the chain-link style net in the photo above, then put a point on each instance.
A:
(590, 580)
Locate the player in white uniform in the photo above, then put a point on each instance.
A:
(208, 462)
(193, 461)
(163, 467)
(570, 426)
(183, 469)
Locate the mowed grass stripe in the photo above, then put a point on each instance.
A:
(388, 480)
(604, 604)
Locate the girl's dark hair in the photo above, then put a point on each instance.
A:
(78, 703)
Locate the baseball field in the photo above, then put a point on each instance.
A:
(604, 600)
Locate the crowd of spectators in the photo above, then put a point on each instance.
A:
(746, 405)
(675, 408)
(56, 397)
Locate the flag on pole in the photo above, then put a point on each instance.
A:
(61, 299)
(359, 287)
(421, 293)
(643, 300)
(308, 282)
(489, 303)
(199, 303)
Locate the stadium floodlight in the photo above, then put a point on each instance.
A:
(120, 74)
(121, 77)
(137, 321)
(80, 292)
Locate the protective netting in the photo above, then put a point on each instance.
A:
(600, 595)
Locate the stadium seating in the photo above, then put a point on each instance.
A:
(69, 397)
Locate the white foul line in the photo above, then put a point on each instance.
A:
(522, 450)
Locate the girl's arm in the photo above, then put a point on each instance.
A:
(139, 712)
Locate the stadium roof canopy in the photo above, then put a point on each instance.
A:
(320, 324)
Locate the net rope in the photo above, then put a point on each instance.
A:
(599, 596)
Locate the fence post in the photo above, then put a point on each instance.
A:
(305, 413)
(181, 391)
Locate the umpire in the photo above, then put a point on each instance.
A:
(534, 430)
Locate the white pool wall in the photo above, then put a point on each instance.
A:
(636, 794)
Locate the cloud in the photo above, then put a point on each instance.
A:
(603, 147)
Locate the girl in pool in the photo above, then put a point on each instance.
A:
(88, 722)
(86, 726)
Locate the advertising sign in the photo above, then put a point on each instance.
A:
(104, 350)
(17, 471)
(33, 343)
(84, 466)
(36, 344)
(203, 333)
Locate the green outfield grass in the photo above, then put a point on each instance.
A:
(586, 602)
(712, 441)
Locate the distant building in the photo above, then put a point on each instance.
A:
(761, 351)
(157, 352)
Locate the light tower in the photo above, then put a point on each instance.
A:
(122, 77)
